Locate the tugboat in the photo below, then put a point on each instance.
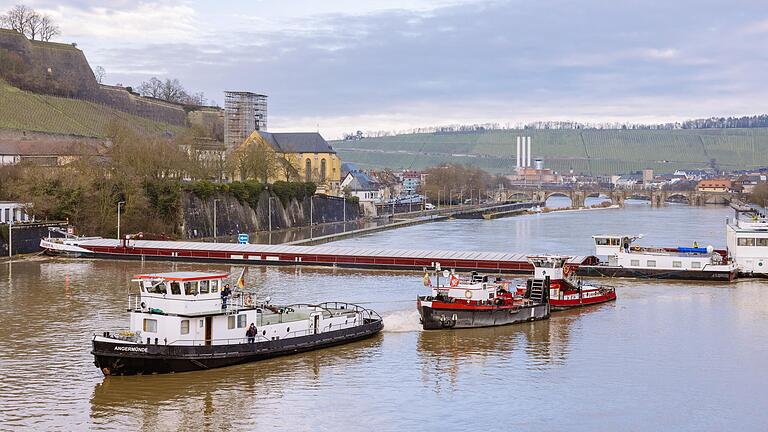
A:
(480, 303)
(182, 321)
(565, 292)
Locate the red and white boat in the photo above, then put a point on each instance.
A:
(565, 291)
(478, 302)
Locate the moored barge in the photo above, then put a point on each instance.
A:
(187, 321)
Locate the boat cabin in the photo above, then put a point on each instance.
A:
(609, 244)
(747, 240)
(179, 292)
(550, 266)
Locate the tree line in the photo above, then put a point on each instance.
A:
(754, 121)
(30, 23)
(452, 183)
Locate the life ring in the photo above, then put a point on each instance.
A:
(454, 281)
(566, 270)
(468, 294)
(248, 299)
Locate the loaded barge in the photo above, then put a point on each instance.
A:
(187, 321)
(258, 254)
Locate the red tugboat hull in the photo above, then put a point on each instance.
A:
(437, 315)
(572, 303)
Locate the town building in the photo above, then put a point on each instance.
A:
(244, 113)
(411, 181)
(50, 153)
(361, 185)
(14, 212)
(715, 185)
(308, 155)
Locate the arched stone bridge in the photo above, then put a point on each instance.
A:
(578, 196)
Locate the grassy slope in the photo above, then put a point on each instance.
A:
(28, 111)
(596, 151)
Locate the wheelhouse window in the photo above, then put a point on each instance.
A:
(184, 326)
(214, 286)
(204, 286)
(190, 288)
(762, 242)
(158, 288)
(241, 321)
(150, 325)
(651, 263)
(746, 241)
(601, 241)
(175, 288)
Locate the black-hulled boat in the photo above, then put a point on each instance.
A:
(480, 302)
(180, 322)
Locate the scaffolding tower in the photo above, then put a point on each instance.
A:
(244, 112)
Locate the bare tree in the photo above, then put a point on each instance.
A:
(151, 88)
(47, 28)
(99, 72)
(30, 23)
(18, 19)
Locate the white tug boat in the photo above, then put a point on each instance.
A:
(626, 259)
(180, 321)
(747, 240)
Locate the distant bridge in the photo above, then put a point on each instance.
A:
(657, 197)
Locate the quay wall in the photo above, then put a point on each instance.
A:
(234, 217)
(26, 236)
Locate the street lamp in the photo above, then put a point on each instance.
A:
(121, 203)
(215, 226)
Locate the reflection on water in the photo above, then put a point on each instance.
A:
(666, 355)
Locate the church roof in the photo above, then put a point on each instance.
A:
(297, 142)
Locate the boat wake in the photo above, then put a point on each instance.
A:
(402, 321)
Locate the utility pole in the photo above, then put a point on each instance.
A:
(215, 227)
(118, 218)
(311, 219)
(10, 234)
(345, 208)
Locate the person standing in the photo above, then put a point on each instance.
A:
(251, 333)
(225, 293)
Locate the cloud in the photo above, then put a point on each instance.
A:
(394, 64)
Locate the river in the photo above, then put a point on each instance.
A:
(664, 356)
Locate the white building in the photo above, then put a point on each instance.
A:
(13, 212)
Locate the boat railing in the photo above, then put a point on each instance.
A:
(331, 306)
(323, 329)
(222, 341)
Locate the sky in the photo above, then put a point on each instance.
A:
(341, 65)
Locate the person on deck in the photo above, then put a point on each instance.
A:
(225, 293)
(251, 333)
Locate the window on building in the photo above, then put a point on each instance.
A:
(635, 263)
(650, 263)
(677, 264)
(231, 322)
(241, 321)
(204, 287)
(695, 264)
(150, 325)
(308, 169)
(322, 170)
(184, 326)
(746, 242)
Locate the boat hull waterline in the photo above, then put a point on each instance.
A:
(434, 317)
(120, 358)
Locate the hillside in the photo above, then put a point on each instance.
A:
(24, 110)
(585, 151)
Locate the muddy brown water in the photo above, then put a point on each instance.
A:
(665, 356)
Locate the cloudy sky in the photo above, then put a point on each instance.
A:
(376, 64)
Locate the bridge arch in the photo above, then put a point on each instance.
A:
(558, 203)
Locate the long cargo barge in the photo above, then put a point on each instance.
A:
(257, 254)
